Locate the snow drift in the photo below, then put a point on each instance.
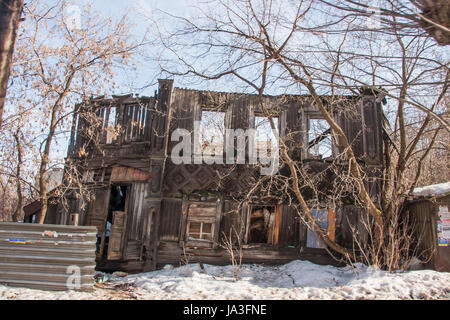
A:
(295, 280)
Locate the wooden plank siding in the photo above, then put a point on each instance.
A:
(351, 221)
(171, 215)
(290, 227)
(136, 209)
(423, 213)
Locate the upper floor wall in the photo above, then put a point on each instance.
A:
(296, 119)
(127, 126)
(123, 126)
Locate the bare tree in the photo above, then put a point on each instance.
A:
(63, 59)
(431, 16)
(17, 165)
(232, 243)
(302, 47)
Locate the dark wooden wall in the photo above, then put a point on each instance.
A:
(170, 222)
(424, 214)
(291, 241)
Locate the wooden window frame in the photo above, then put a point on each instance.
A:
(214, 220)
(225, 126)
(211, 233)
(276, 226)
(258, 115)
(281, 120)
(317, 116)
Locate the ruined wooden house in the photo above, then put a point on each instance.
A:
(151, 210)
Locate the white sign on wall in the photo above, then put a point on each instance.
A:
(443, 226)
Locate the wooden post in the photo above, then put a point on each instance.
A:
(332, 224)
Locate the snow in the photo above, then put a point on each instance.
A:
(433, 190)
(295, 280)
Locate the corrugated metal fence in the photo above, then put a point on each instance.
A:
(46, 256)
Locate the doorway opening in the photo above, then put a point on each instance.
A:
(117, 202)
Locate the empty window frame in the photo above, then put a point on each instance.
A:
(109, 117)
(261, 224)
(135, 121)
(91, 176)
(212, 132)
(265, 139)
(75, 129)
(109, 122)
(101, 175)
(319, 139)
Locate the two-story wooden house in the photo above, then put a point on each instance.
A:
(152, 209)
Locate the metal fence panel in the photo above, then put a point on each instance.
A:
(47, 257)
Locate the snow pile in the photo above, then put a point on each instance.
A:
(433, 190)
(295, 280)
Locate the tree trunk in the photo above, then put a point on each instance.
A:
(435, 19)
(10, 11)
(46, 154)
(43, 168)
(16, 214)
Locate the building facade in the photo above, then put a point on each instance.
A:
(165, 189)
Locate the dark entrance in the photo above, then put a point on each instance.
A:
(117, 203)
(261, 224)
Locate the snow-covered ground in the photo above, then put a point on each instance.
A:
(295, 280)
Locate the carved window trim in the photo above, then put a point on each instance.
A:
(193, 216)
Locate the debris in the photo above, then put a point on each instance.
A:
(52, 234)
(21, 241)
(120, 274)
(125, 286)
(100, 277)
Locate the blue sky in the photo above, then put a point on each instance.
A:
(144, 81)
(138, 7)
